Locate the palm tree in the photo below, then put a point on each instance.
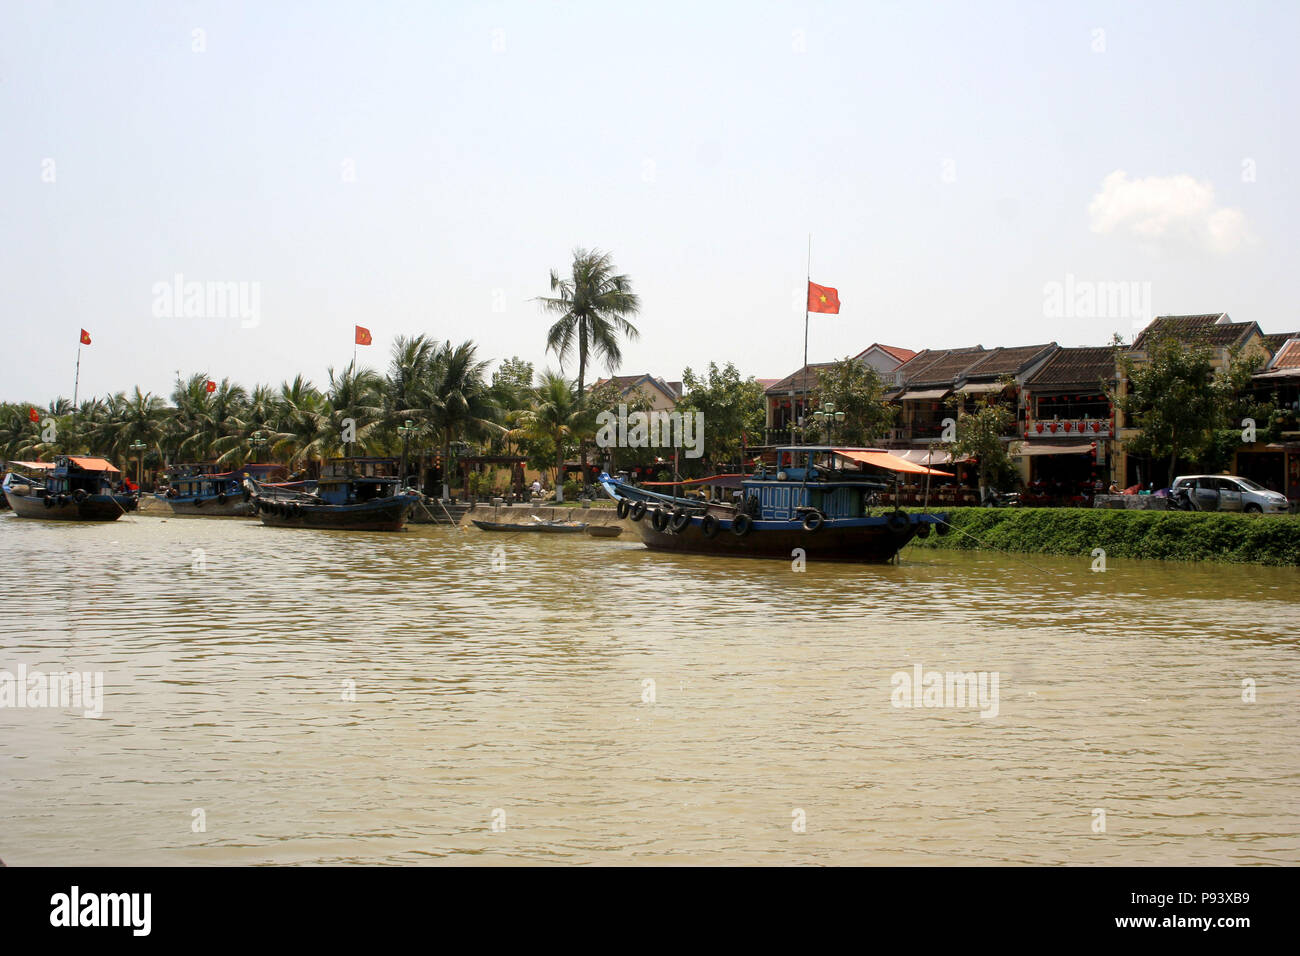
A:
(553, 419)
(303, 434)
(356, 396)
(592, 307)
(455, 399)
(138, 417)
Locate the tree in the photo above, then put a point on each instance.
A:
(592, 307)
(456, 400)
(856, 390)
(552, 422)
(979, 436)
(732, 407)
(1173, 398)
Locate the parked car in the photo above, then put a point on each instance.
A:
(1229, 493)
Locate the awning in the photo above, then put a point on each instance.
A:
(922, 456)
(980, 388)
(1029, 449)
(34, 465)
(91, 464)
(920, 396)
(883, 459)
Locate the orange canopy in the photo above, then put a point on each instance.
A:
(91, 464)
(883, 459)
(34, 465)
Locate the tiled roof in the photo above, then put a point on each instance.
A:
(1275, 340)
(1213, 330)
(626, 383)
(1008, 361)
(899, 353)
(1075, 368)
(1288, 356)
(800, 381)
(944, 366)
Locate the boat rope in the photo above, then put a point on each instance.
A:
(1011, 554)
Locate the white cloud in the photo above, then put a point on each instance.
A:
(1167, 209)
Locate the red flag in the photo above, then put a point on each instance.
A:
(363, 336)
(211, 386)
(822, 298)
(33, 415)
(85, 337)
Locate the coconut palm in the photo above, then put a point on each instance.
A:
(355, 396)
(554, 419)
(304, 434)
(455, 400)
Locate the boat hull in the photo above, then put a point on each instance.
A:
(90, 508)
(384, 514)
(863, 541)
(233, 507)
(534, 528)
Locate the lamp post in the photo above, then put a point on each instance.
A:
(138, 447)
(828, 417)
(406, 441)
(256, 440)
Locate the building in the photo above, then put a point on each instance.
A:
(790, 399)
(1069, 422)
(661, 395)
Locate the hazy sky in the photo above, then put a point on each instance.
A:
(420, 167)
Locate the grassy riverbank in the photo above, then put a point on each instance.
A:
(1170, 536)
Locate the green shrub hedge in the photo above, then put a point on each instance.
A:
(1170, 536)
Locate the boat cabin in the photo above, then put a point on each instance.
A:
(838, 482)
(73, 473)
(207, 486)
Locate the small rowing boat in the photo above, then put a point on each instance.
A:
(537, 525)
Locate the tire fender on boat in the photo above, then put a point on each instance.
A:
(659, 519)
(813, 520)
(624, 506)
(923, 529)
(221, 498)
(741, 525)
(680, 521)
(638, 510)
(941, 528)
(897, 521)
(709, 525)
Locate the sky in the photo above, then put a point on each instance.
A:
(969, 173)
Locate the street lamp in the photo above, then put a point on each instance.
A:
(828, 417)
(406, 441)
(256, 440)
(138, 447)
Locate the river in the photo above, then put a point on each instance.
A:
(446, 696)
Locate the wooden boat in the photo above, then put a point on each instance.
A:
(604, 530)
(24, 478)
(536, 525)
(344, 501)
(821, 500)
(78, 488)
(211, 496)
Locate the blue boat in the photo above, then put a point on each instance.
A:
(78, 488)
(820, 499)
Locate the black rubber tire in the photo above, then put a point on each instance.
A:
(709, 526)
(659, 520)
(638, 511)
(295, 510)
(624, 506)
(79, 495)
(221, 498)
(680, 521)
(48, 501)
(941, 528)
(813, 521)
(1253, 510)
(741, 525)
(922, 530)
(198, 502)
(897, 521)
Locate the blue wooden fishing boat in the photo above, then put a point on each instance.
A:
(219, 495)
(820, 499)
(344, 500)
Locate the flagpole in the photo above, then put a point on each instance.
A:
(76, 382)
(806, 288)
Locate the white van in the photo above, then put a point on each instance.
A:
(1230, 493)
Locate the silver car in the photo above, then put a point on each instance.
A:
(1230, 493)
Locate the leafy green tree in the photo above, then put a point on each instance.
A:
(551, 425)
(732, 407)
(1175, 398)
(979, 436)
(856, 390)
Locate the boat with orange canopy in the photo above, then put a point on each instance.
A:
(77, 488)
